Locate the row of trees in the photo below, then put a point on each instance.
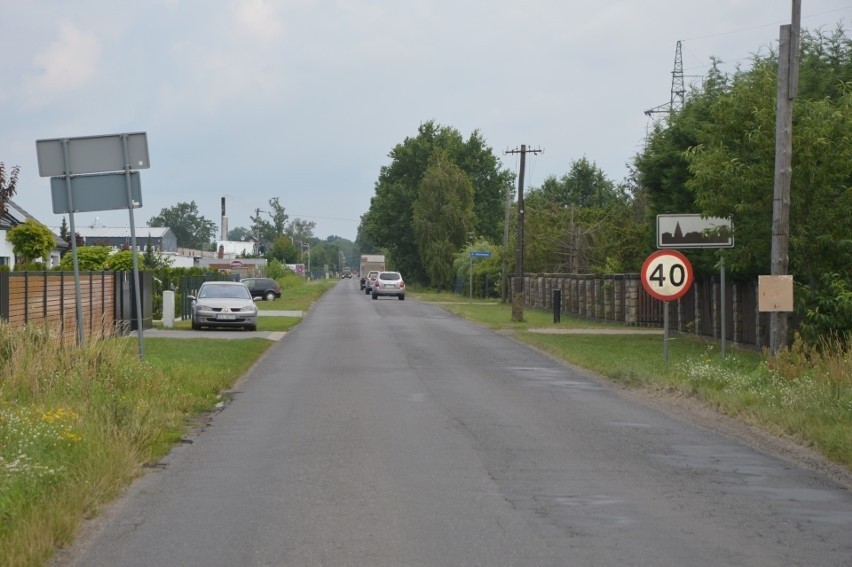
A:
(442, 195)
(715, 157)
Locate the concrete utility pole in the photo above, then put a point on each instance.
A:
(788, 77)
(518, 292)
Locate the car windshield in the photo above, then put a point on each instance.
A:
(390, 276)
(224, 292)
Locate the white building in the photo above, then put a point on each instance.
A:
(12, 217)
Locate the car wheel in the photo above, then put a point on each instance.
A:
(251, 327)
(270, 296)
(366, 291)
(375, 296)
(402, 297)
(195, 326)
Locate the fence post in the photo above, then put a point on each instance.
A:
(4, 296)
(557, 305)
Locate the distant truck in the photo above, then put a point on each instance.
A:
(371, 263)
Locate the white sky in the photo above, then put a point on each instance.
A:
(304, 99)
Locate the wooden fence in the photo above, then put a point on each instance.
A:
(622, 298)
(50, 297)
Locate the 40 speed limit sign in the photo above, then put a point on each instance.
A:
(666, 275)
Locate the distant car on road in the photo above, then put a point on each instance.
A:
(223, 304)
(369, 281)
(265, 288)
(346, 272)
(389, 283)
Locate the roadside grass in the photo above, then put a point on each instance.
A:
(804, 392)
(495, 315)
(77, 424)
(299, 296)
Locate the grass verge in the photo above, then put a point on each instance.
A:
(77, 424)
(804, 392)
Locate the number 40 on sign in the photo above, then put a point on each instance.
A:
(666, 275)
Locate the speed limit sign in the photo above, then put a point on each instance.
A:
(666, 275)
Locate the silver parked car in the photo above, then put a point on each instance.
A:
(389, 283)
(223, 304)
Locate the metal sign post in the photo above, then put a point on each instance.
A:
(74, 160)
(134, 252)
(476, 254)
(696, 231)
(667, 276)
(81, 336)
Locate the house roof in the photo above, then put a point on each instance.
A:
(123, 232)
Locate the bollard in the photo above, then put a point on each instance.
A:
(557, 305)
(168, 309)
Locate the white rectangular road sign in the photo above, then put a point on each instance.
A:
(92, 154)
(104, 192)
(694, 231)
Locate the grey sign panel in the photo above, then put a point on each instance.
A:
(92, 154)
(95, 193)
(694, 231)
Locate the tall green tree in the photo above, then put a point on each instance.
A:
(64, 232)
(191, 229)
(267, 225)
(582, 223)
(388, 224)
(585, 186)
(443, 217)
(284, 250)
(301, 229)
(8, 185)
(717, 158)
(239, 233)
(279, 216)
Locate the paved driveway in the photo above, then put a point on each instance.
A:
(211, 334)
(223, 333)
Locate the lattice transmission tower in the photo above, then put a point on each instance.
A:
(678, 89)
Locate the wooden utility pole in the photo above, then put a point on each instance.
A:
(518, 287)
(788, 76)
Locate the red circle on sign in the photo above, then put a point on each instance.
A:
(666, 275)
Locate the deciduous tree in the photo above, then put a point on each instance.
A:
(388, 224)
(8, 185)
(31, 241)
(191, 229)
(717, 157)
(443, 217)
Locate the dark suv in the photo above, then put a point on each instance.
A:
(264, 288)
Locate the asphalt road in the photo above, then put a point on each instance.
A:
(389, 433)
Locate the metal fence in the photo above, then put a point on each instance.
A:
(621, 297)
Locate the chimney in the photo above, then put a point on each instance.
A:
(224, 224)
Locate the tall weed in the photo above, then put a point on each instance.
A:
(61, 405)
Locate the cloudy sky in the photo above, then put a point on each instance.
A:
(304, 99)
